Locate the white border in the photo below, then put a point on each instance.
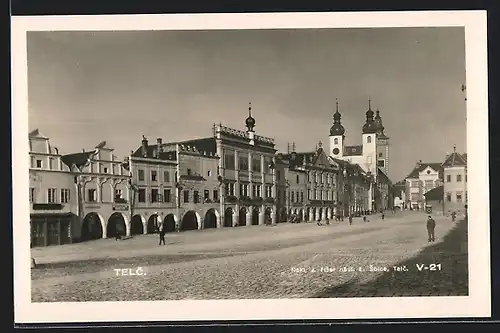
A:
(475, 305)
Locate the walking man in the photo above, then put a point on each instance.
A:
(162, 234)
(431, 225)
(350, 219)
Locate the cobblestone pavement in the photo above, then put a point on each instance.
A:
(286, 261)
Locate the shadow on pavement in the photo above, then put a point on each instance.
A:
(450, 280)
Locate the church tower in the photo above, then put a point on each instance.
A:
(382, 145)
(370, 142)
(337, 136)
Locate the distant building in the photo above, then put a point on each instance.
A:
(455, 182)
(399, 195)
(423, 178)
(372, 155)
(52, 194)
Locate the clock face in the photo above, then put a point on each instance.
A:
(335, 151)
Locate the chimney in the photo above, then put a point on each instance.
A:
(144, 148)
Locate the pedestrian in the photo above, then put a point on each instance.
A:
(431, 225)
(327, 221)
(350, 219)
(118, 233)
(383, 216)
(162, 234)
(453, 216)
(364, 218)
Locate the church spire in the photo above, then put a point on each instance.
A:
(337, 128)
(250, 121)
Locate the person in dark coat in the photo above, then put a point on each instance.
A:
(350, 218)
(431, 225)
(162, 234)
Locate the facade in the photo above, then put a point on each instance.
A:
(423, 178)
(399, 195)
(372, 155)
(455, 182)
(306, 185)
(102, 193)
(53, 213)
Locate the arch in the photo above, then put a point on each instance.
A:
(268, 215)
(137, 225)
(153, 224)
(283, 215)
(116, 225)
(92, 227)
(368, 139)
(228, 217)
(211, 219)
(313, 214)
(255, 216)
(242, 216)
(301, 215)
(336, 141)
(169, 223)
(308, 214)
(190, 221)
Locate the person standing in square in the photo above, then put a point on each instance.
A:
(431, 226)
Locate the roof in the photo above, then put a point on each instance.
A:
(381, 174)
(317, 158)
(37, 134)
(353, 150)
(204, 145)
(77, 159)
(435, 194)
(422, 166)
(102, 145)
(150, 153)
(455, 159)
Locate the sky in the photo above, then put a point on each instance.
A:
(88, 87)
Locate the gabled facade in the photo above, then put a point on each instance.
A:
(52, 194)
(455, 182)
(423, 178)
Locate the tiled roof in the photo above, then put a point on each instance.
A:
(422, 166)
(166, 156)
(353, 150)
(435, 194)
(455, 159)
(203, 145)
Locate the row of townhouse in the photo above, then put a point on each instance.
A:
(232, 178)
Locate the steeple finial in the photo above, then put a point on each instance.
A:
(249, 109)
(369, 102)
(337, 104)
(454, 148)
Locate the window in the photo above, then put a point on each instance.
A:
(118, 195)
(298, 179)
(429, 184)
(293, 197)
(209, 173)
(254, 191)
(258, 191)
(92, 195)
(459, 196)
(166, 176)
(51, 163)
(154, 195)
(466, 177)
(38, 163)
(336, 141)
(415, 197)
(196, 197)
(229, 160)
(256, 164)
(105, 170)
(166, 195)
(428, 172)
(241, 190)
(153, 175)
(140, 175)
(142, 195)
(414, 183)
(268, 161)
(186, 196)
(309, 194)
(448, 178)
(368, 139)
(189, 172)
(64, 195)
(206, 195)
(216, 195)
(32, 194)
(301, 197)
(381, 163)
(448, 197)
(243, 163)
(380, 155)
(278, 175)
(459, 178)
(269, 191)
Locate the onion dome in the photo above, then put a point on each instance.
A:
(370, 126)
(378, 121)
(250, 121)
(337, 128)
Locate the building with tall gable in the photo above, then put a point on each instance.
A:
(423, 178)
(372, 155)
(455, 181)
